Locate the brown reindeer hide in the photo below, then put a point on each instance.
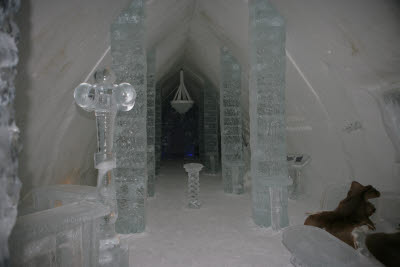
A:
(352, 212)
(385, 247)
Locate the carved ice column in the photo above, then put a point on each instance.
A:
(158, 130)
(9, 134)
(267, 115)
(231, 124)
(211, 148)
(201, 111)
(151, 115)
(129, 64)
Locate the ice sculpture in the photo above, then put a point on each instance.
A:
(211, 151)
(193, 170)
(151, 112)
(312, 246)
(130, 139)
(231, 124)
(105, 99)
(9, 144)
(267, 115)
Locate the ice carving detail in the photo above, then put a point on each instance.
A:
(193, 170)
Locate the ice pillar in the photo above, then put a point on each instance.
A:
(267, 115)
(211, 148)
(9, 144)
(130, 139)
(231, 124)
(201, 125)
(158, 130)
(151, 116)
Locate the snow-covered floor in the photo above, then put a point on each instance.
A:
(220, 233)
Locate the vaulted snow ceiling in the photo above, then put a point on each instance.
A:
(338, 54)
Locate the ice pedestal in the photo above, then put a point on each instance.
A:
(193, 170)
(231, 123)
(267, 115)
(311, 246)
(296, 163)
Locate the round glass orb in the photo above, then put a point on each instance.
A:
(84, 96)
(125, 96)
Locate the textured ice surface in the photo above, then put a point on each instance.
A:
(9, 144)
(267, 115)
(52, 196)
(200, 126)
(296, 163)
(231, 124)
(311, 246)
(130, 139)
(193, 170)
(151, 115)
(158, 130)
(210, 142)
(63, 236)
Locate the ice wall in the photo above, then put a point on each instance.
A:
(9, 133)
(129, 64)
(269, 171)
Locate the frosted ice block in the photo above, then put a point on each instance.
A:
(311, 247)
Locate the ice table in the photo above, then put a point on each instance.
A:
(314, 247)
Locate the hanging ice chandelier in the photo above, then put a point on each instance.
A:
(182, 101)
